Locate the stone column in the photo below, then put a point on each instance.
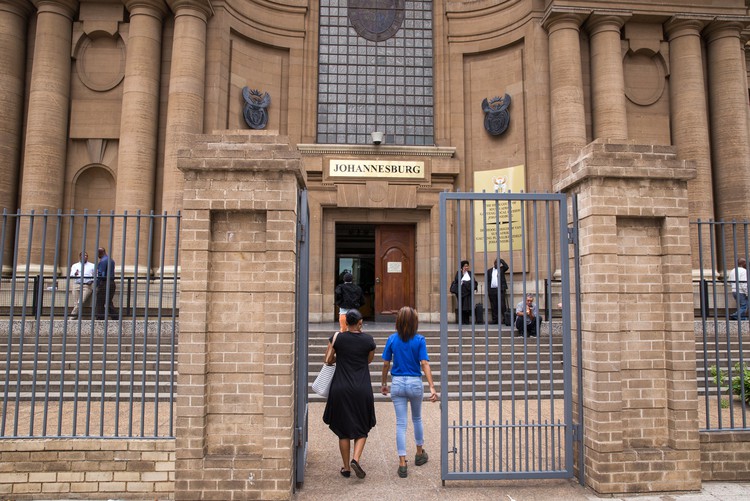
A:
(689, 118)
(236, 385)
(136, 171)
(186, 90)
(610, 118)
(566, 89)
(49, 101)
(639, 390)
(730, 137)
(13, 18)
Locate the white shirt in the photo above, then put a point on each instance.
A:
(493, 282)
(466, 277)
(88, 272)
(738, 275)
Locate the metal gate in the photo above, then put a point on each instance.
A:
(506, 396)
(302, 295)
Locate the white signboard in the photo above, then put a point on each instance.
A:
(394, 266)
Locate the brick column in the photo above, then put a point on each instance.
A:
(610, 116)
(566, 89)
(639, 389)
(136, 173)
(689, 117)
(235, 403)
(49, 101)
(730, 136)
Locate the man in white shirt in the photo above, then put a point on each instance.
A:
(737, 278)
(83, 272)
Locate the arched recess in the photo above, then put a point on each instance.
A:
(93, 192)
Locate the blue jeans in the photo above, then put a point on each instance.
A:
(741, 304)
(405, 389)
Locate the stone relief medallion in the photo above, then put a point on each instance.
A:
(254, 111)
(645, 77)
(376, 20)
(100, 62)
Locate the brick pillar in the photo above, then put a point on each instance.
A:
(235, 403)
(689, 118)
(607, 77)
(639, 388)
(566, 89)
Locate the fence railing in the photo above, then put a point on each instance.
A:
(723, 349)
(109, 369)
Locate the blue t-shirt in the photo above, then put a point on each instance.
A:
(406, 356)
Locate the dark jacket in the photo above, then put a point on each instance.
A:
(349, 295)
(465, 288)
(501, 276)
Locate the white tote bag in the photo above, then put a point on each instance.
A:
(322, 383)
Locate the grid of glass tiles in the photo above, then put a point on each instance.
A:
(365, 86)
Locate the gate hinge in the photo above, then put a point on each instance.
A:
(301, 233)
(298, 437)
(577, 433)
(572, 235)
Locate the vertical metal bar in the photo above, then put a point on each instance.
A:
(159, 319)
(37, 317)
(92, 332)
(567, 380)
(174, 322)
(64, 343)
(48, 376)
(21, 338)
(472, 316)
(443, 265)
(742, 371)
(118, 370)
(6, 384)
(579, 333)
(136, 265)
(145, 322)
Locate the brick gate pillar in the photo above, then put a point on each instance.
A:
(235, 394)
(638, 345)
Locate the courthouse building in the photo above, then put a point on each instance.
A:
(388, 102)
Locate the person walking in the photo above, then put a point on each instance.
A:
(407, 352)
(737, 279)
(105, 286)
(83, 272)
(350, 409)
(348, 295)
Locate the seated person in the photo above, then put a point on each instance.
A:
(527, 314)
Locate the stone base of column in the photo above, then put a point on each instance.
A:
(638, 343)
(236, 385)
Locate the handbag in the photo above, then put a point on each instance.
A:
(322, 383)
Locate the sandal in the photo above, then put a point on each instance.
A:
(345, 473)
(420, 459)
(357, 469)
(402, 471)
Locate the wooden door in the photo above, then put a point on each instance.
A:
(394, 270)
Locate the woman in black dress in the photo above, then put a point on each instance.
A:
(350, 409)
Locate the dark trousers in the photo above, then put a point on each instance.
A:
(493, 304)
(102, 289)
(530, 328)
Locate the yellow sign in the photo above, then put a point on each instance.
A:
(376, 168)
(507, 180)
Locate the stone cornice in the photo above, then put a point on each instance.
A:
(379, 150)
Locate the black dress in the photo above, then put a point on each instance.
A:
(350, 409)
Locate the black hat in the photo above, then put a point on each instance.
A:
(348, 277)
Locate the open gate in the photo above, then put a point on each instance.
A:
(507, 397)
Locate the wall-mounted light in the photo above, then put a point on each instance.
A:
(377, 137)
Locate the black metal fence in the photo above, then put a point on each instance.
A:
(722, 348)
(106, 369)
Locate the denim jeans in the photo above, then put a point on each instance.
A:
(741, 304)
(406, 389)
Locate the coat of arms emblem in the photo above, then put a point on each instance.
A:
(254, 110)
(376, 20)
(496, 115)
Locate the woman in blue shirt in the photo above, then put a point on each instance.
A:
(407, 350)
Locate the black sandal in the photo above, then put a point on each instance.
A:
(345, 473)
(357, 469)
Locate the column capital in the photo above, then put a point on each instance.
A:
(725, 27)
(202, 7)
(67, 8)
(156, 8)
(19, 7)
(682, 25)
(564, 18)
(600, 21)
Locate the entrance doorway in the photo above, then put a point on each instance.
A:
(381, 258)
